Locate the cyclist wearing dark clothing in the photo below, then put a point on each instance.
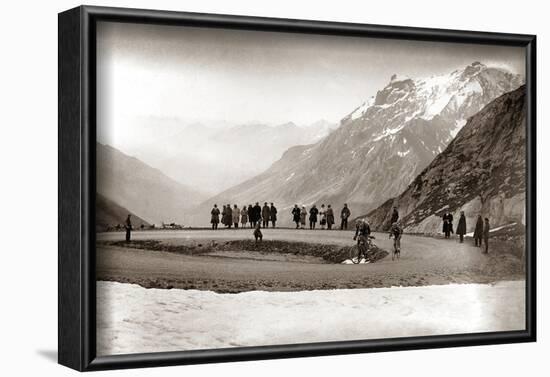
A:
(362, 228)
(362, 234)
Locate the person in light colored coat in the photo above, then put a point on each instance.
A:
(236, 214)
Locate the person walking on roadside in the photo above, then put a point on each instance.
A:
(461, 228)
(215, 219)
(303, 215)
(486, 229)
(251, 216)
(128, 227)
(244, 217)
(344, 215)
(265, 215)
(478, 231)
(313, 212)
(273, 215)
(323, 215)
(447, 224)
(257, 213)
(236, 216)
(330, 217)
(296, 215)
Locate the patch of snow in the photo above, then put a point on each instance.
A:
(403, 154)
(290, 177)
(404, 141)
(360, 111)
(458, 126)
(132, 319)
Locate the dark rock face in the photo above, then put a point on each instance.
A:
(482, 171)
(380, 147)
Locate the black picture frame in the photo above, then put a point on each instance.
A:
(76, 188)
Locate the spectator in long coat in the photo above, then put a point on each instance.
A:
(344, 215)
(224, 215)
(236, 216)
(461, 228)
(323, 215)
(478, 231)
(228, 216)
(486, 230)
(447, 224)
(128, 227)
(296, 215)
(215, 219)
(257, 213)
(265, 215)
(244, 216)
(394, 216)
(303, 215)
(251, 216)
(330, 217)
(273, 215)
(313, 212)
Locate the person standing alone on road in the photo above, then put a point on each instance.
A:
(236, 216)
(313, 212)
(478, 232)
(486, 229)
(215, 219)
(273, 215)
(344, 215)
(296, 215)
(461, 228)
(265, 215)
(128, 227)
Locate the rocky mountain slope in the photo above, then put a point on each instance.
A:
(142, 189)
(381, 146)
(109, 214)
(482, 171)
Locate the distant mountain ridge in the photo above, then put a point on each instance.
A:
(379, 147)
(230, 154)
(142, 189)
(482, 171)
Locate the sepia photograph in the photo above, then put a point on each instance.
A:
(260, 188)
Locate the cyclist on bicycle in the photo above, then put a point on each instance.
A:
(362, 234)
(396, 231)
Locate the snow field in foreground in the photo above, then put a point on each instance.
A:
(132, 319)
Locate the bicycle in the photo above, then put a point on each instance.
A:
(364, 243)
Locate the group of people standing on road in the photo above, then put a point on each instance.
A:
(253, 215)
(481, 230)
(323, 215)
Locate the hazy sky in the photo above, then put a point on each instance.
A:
(197, 74)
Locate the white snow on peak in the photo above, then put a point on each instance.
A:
(360, 111)
(459, 124)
